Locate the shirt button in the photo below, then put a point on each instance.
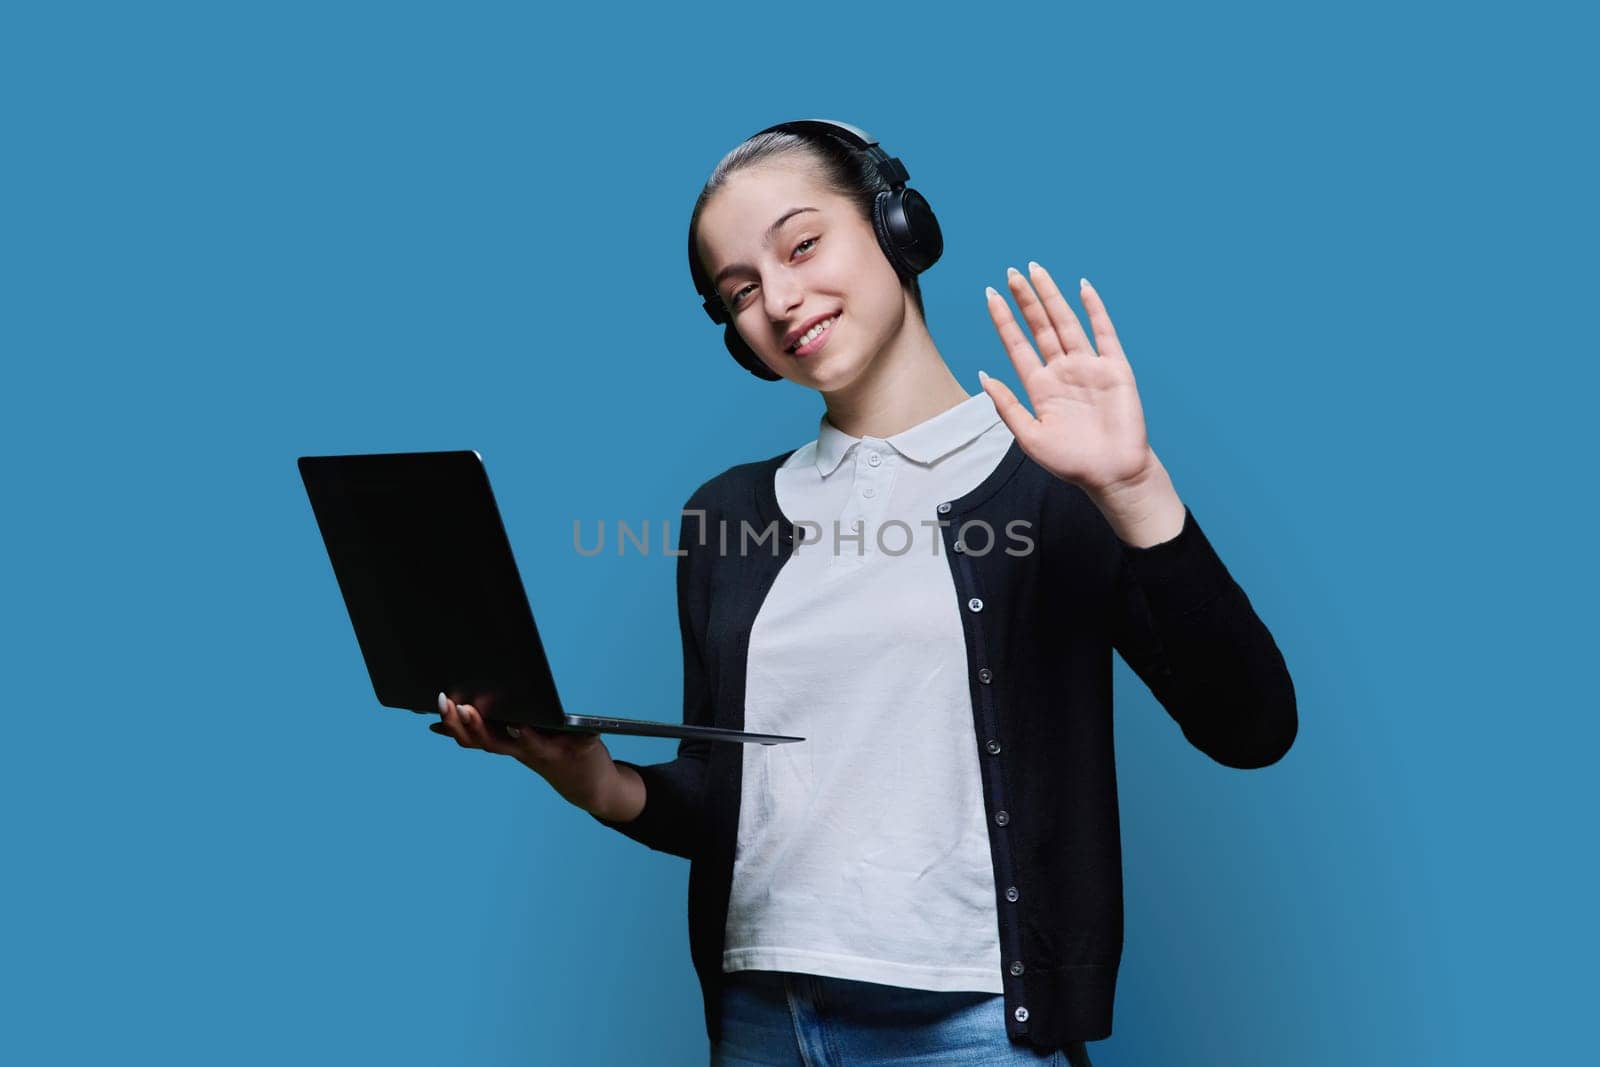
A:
(869, 491)
(1001, 818)
(944, 509)
(994, 748)
(873, 459)
(959, 547)
(975, 604)
(1011, 893)
(1016, 966)
(1021, 1014)
(985, 675)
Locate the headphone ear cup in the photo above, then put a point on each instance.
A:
(886, 237)
(908, 230)
(744, 357)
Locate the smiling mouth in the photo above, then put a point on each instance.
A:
(817, 339)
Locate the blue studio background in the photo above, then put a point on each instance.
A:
(1348, 248)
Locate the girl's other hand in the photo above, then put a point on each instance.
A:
(577, 765)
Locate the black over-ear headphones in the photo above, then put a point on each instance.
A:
(906, 228)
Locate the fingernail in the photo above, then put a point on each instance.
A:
(1013, 270)
(1034, 266)
(1083, 283)
(443, 705)
(982, 377)
(990, 290)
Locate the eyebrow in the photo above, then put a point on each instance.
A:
(766, 239)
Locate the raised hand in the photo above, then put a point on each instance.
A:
(1087, 425)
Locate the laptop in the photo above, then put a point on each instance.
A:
(433, 591)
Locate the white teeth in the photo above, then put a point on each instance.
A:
(812, 334)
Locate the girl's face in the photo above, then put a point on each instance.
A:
(785, 252)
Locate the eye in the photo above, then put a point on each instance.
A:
(734, 299)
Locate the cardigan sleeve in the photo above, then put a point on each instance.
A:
(1188, 631)
(672, 819)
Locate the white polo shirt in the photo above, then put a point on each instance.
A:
(863, 851)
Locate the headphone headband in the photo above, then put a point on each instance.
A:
(892, 171)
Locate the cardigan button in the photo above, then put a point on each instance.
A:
(1021, 1014)
(944, 509)
(994, 747)
(985, 675)
(1011, 893)
(1001, 818)
(1016, 966)
(975, 604)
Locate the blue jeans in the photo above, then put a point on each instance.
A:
(783, 1019)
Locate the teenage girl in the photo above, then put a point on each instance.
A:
(861, 920)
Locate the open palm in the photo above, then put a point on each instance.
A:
(1087, 425)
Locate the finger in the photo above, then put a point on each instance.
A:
(461, 722)
(450, 718)
(478, 730)
(1060, 312)
(1044, 331)
(508, 734)
(540, 748)
(1023, 357)
(1018, 419)
(1105, 335)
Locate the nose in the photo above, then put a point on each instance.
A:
(782, 295)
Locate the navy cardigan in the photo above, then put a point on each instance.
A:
(1040, 624)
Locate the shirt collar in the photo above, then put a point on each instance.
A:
(927, 442)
